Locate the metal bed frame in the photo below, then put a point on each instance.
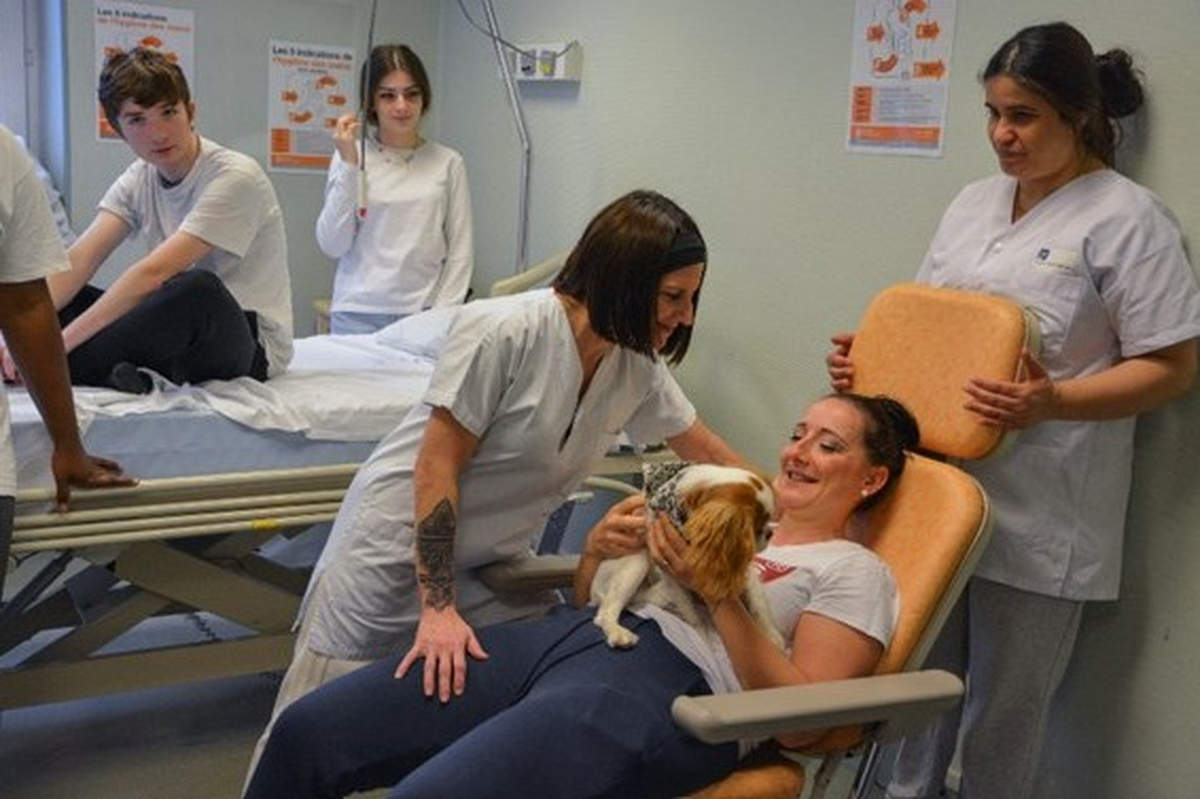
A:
(167, 547)
(177, 546)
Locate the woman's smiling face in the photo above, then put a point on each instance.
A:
(825, 466)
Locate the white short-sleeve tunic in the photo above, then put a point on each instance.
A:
(510, 374)
(1101, 264)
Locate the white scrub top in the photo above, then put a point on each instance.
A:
(414, 250)
(30, 248)
(510, 374)
(1101, 264)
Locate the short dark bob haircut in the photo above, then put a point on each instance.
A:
(144, 76)
(890, 432)
(1057, 62)
(386, 59)
(616, 267)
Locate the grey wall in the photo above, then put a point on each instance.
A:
(738, 110)
(230, 90)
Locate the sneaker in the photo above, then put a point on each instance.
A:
(126, 377)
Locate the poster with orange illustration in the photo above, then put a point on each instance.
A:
(309, 86)
(120, 27)
(899, 76)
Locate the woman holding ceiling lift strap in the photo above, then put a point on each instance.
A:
(409, 247)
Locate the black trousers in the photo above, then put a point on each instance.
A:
(190, 330)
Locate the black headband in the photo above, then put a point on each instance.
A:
(686, 248)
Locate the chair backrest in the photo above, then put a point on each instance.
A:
(930, 531)
(921, 344)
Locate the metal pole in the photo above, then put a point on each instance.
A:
(514, 103)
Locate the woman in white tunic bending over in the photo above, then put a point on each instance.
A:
(529, 392)
(1100, 262)
(412, 249)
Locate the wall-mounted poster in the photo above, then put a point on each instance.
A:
(309, 86)
(899, 76)
(124, 26)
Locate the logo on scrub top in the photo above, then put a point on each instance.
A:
(1065, 260)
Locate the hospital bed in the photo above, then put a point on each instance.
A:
(232, 465)
(920, 345)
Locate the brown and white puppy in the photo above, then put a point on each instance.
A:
(723, 512)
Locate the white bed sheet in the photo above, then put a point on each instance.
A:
(339, 397)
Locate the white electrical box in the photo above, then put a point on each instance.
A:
(547, 61)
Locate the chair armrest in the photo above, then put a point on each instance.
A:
(530, 574)
(903, 703)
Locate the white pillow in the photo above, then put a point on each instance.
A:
(421, 333)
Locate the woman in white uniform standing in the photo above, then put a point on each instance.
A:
(1100, 262)
(412, 250)
(529, 392)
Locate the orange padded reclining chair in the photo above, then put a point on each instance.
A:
(919, 345)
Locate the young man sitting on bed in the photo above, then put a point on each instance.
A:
(212, 297)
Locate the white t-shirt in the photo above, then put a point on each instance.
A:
(1101, 264)
(839, 579)
(30, 248)
(510, 374)
(414, 250)
(226, 200)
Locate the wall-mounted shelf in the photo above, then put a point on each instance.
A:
(547, 61)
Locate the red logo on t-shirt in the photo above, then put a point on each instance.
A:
(769, 570)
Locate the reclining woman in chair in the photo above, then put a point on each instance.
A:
(601, 716)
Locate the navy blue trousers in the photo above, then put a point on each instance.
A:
(553, 712)
(190, 330)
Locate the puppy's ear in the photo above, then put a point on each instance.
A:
(721, 542)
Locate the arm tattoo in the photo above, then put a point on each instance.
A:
(435, 554)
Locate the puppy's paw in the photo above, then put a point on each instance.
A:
(620, 638)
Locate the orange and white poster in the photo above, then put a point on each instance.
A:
(123, 26)
(309, 86)
(900, 76)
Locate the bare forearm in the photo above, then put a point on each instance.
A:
(435, 556)
(1128, 388)
(445, 448)
(756, 661)
(86, 255)
(32, 334)
(700, 444)
(585, 572)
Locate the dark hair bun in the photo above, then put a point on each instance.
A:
(908, 433)
(1120, 87)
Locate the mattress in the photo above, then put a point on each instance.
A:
(340, 396)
